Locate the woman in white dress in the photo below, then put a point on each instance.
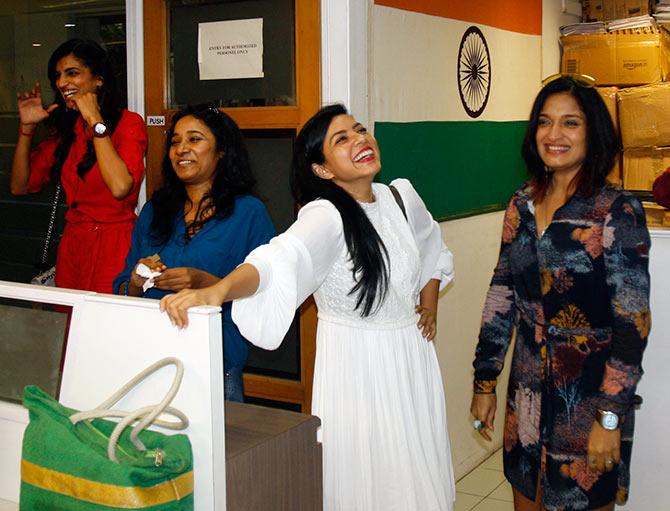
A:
(375, 272)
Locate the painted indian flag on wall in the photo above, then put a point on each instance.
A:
(452, 84)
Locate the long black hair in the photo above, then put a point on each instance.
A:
(602, 143)
(95, 58)
(367, 250)
(233, 177)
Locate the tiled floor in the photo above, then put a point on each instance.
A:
(485, 488)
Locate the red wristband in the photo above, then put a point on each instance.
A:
(21, 132)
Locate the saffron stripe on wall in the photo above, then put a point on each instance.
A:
(518, 16)
(459, 168)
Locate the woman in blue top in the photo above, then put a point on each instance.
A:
(201, 223)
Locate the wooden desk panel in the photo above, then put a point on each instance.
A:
(273, 461)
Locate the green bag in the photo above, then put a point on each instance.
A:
(73, 461)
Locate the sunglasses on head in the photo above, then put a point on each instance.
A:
(581, 80)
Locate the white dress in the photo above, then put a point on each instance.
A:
(377, 384)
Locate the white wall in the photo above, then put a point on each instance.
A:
(475, 242)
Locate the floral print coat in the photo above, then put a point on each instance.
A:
(579, 299)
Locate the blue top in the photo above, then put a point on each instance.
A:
(218, 248)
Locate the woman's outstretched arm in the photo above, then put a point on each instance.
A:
(240, 283)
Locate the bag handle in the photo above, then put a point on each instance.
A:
(147, 415)
(50, 228)
(398, 199)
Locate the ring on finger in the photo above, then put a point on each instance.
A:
(477, 424)
(608, 462)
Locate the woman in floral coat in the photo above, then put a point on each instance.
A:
(572, 278)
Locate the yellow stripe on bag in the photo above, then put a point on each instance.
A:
(125, 497)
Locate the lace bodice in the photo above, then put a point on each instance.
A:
(333, 299)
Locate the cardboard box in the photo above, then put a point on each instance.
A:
(644, 115)
(657, 216)
(632, 8)
(615, 176)
(609, 10)
(625, 57)
(642, 165)
(609, 95)
(603, 10)
(592, 10)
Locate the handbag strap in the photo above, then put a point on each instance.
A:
(398, 199)
(147, 415)
(50, 228)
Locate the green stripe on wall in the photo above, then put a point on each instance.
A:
(459, 168)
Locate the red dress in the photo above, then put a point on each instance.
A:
(98, 227)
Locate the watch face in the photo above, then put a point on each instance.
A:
(100, 129)
(609, 420)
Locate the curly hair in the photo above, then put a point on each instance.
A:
(62, 120)
(233, 177)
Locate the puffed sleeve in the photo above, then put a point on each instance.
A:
(437, 262)
(291, 267)
(41, 161)
(499, 311)
(626, 247)
(130, 142)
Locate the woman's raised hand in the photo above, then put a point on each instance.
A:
(87, 104)
(31, 110)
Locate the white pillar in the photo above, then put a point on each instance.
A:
(344, 55)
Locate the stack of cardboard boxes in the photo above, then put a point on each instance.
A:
(602, 10)
(631, 67)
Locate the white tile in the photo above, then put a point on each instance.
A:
(494, 462)
(503, 492)
(465, 502)
(6, 505)
(494, 505)
(480, 482)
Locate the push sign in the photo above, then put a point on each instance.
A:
(156, 120)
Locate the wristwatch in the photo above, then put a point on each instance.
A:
(100, 130)
(608, 420)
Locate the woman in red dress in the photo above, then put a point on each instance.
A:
(96, 150)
